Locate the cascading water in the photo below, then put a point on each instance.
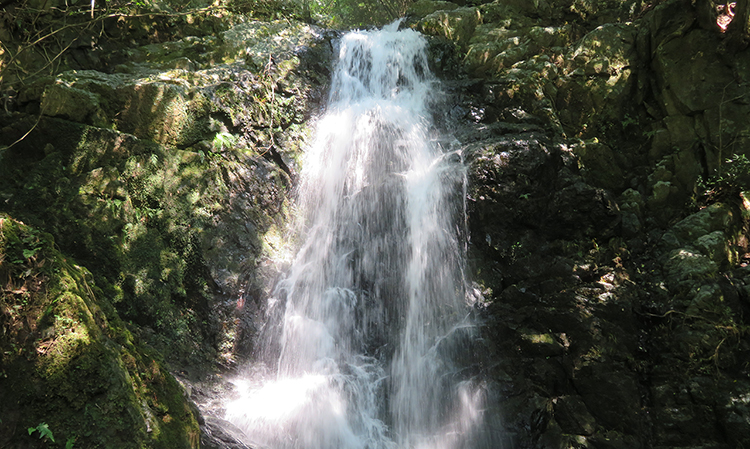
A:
(361, 337)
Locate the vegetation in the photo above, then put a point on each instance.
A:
(358, 13)
(44, 431)
(68, 363)
(169, 158)
(732, 179)
(38, 38)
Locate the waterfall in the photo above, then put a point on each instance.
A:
(362, 337)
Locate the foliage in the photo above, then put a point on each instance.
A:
(335, 13)
(44, 431)
(69, 362)
(359, 13)
(42, 40)
(37, 41)
(731, 178)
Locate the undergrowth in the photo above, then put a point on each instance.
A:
(732, 178)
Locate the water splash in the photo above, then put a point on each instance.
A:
(362, 335)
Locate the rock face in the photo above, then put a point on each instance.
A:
(69, 364)
(605, 146)
(613, 287)
(166, 175)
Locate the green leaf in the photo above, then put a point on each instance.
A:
(29, 253)
(44, 431)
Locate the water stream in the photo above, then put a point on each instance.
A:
(364, 339)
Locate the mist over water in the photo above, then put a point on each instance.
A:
(364, 337)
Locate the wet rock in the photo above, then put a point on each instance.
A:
(218, 433)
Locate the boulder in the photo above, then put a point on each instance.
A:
(457, 25)
(597, 81)
(685, 264)
(262, 43)
(716, 217)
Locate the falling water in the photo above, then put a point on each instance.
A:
(361, 340)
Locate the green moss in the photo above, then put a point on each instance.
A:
(80, 370)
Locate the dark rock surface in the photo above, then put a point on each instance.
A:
(612, 289)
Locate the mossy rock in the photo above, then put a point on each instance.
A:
(170, 183)
(457, 25)
(68, 361)
(686, 264)
(160, 227)
(598, 80)
(716, 217)
(262, 43)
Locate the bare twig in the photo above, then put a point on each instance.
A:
(88, 23)
(38, 119)
(272, 100)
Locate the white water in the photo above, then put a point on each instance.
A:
(361, 336)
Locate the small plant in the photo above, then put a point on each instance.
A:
(731, 178)
(43, 430)
(27, 246)
(628, 120)
(224, 139)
